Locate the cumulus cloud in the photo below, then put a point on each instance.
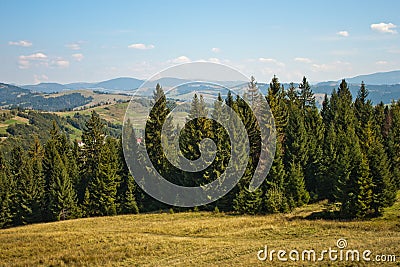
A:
(36, 56)
(334, 66)
(73, 46)
(302, 59)
(23, 43)
(181, 59)
(384, 27)
(78, 56)
(215, 50)
(343, 33)
(141, 46)
(271, 60)
(25, 61)
(60, 63)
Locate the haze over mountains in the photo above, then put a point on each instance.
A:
(383, 86)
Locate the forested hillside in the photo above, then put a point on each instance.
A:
(13, 97)
(347, 153)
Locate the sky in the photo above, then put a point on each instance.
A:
(89, 41)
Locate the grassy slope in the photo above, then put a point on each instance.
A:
(198, 239)
(96, 98)
(16, 119)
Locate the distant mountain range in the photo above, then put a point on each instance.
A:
(383, 86)
(123, 84)
(117, 84)
(379, 78)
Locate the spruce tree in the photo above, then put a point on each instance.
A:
(383, 190)
(36, 157)
(223, 147)
(197, 128)
(306, 96)
(26, 193)
(274, 199)
(364, 192)
(125, 198)
(393, 144)
(156, 146)
(348, 162)
(92, 138)
(295, 189)
(103, 188)
(247, 202)
(6, 188)
(314, 127)
(327, 178)
(275, 99)
(59, 197)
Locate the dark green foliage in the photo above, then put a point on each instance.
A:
(125, 198)
(347, 153)
(275, 98)
(248, 202)
(295, 188)
(59, 197)
(6, 189)
(274, 199)
(154, 140)
(102, 187)
(306, 96)
(36, 101)
(26, 195)
(383, 190)
(393, 143)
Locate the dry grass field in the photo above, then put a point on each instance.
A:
(196, 239)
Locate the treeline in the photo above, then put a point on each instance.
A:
(15, 97)
(63, 180)
(347, 152)
(39, 124)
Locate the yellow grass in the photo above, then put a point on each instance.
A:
(97, 98)
(193, 239)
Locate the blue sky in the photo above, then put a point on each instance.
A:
(72, 41)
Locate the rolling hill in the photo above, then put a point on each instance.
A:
(196, 239)
(379, 78)
(383, 86)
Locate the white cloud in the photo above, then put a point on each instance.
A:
(271, 60)
(61, 63)
(24, 64)
(25, 61)
(36, 56)
(322, 67)
(40, 78)
(343, 33)
(23, 43)
(215, 50)
(381, 62)
(384, 27)
(334, 66)
(302, 59)
(181, 59)
(141, 46)
(78, 57)
(73, 46)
